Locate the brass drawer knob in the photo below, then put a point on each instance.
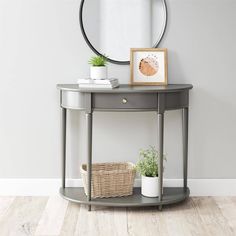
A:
(124, 100)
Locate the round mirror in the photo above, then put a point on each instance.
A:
(112, 27)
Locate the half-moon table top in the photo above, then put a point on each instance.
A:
(126, 88)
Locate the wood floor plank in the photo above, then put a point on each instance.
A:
(120, 222)
(22, 216)
(227, 206)
(53, 216)
(183, 219)
(102, 221)
(161, 223)
(87, 222)
(70, 220)
(192, 222)
(5, 203)
(212, 218)
(105, 221)
(233, 199)
(173, 221)
(137, 218)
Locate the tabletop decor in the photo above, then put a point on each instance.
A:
(98, 69)
(148, 66)
(147, 166)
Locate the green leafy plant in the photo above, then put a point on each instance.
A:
(148, 162)
(98, 61)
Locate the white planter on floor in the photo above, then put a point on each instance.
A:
(150, 186)
(98, 72)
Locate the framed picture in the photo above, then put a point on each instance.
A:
(148, 66)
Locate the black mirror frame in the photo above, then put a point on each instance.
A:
(109, 59)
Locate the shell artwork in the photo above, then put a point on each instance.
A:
(149, 65)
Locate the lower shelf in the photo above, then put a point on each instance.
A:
(170, 196)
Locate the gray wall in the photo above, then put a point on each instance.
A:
(41, 45)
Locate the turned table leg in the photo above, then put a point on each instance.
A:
(63, 138)
(160, 149)
(89, 121)
(185, 145)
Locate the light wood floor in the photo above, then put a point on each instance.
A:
(55, 216)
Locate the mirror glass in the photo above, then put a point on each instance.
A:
(112, 27)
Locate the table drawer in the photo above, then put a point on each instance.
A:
(125, 101)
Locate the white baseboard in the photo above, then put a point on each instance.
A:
(46, 187)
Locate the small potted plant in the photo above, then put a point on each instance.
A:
(98, 69)
(147, 166)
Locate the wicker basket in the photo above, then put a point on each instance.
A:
(110, 179)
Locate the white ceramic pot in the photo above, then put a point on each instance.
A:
(150, 186)
(98, 72)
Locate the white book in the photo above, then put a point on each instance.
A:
(100, 86)
(106, 81)
(98, 81)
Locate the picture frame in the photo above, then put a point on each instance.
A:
(148, 66)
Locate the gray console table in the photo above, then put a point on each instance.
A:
(126, 98)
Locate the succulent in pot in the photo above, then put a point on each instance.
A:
(98, 68)
(147, 166)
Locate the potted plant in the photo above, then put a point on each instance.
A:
(98, 69)
(147, 166)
